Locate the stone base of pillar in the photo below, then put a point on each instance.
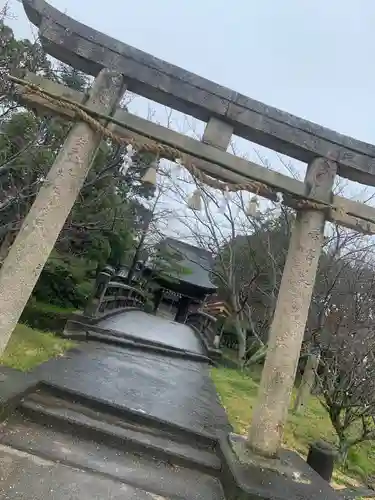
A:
(247, 475)
(246, 456)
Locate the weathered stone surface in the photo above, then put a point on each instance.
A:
(154, 328)
(152, 398)
(217, 133)
(117, 432)
(216, 161)
(89, 50)
(137, 470)
(173, 390)
(291, 479)
(27, 476)
(65, 441)
(14, 383)
(42, 225)
(290, 316)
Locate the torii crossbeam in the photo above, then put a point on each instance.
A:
(89, 50)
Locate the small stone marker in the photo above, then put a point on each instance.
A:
(321, 458)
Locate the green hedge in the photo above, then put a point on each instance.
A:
(45, 316)
(66, 281)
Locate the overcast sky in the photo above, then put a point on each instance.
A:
(313, 59)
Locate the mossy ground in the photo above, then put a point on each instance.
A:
(28, 348)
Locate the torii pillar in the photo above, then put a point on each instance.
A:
(289, 322)
(42, 225)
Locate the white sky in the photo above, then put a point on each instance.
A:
(312, 59)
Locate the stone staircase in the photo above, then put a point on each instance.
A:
(76, 432)
(109, 422)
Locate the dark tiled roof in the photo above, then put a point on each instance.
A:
(197, 260)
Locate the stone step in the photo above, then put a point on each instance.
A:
(72, 417)
(30, 476)
(55, 395)
(69, 462)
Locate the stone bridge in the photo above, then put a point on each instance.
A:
(116, 313)
(131, 412)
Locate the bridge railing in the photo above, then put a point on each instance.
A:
(205, 325)
(111, 295)
(118, 296)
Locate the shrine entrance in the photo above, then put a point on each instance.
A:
(118, 67)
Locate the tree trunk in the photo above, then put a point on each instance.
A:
(240, 333)
(307, 382)
(135, 259)
(241, 349)
(241, 337)
(343, 450)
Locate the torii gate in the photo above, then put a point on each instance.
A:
(118, 66)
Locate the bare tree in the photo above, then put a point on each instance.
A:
(346, 385)
(237, 237)
(342, 327)
(156, 215)
(345, 255)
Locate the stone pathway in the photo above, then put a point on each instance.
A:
(177, 391)
(109, 421)
(28, 476)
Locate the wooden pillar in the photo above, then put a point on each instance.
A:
(42, 225)
(94, 302)
(288, 326)
(182, 309)
(158, 296)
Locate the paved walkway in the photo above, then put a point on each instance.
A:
(176, 390)
(25, 476)
(149, 327)
(111, 422)
(114, 423)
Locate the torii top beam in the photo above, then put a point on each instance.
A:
(89, 50)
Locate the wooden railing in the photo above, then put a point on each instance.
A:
(118, 296)
(111, 296)
(205, 325)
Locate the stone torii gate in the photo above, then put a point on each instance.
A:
(118, 67)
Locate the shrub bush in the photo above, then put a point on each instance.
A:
(45, 317)
(64, 282)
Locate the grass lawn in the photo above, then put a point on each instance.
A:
(238, 393)
(28, 348)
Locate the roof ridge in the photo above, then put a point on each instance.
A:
(185, 244)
